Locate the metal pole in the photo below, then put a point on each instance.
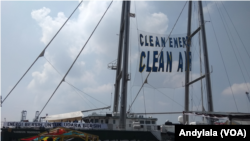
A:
(185, 117)
(119, 59)
(206, 61)
(202, 107)
(123, 107)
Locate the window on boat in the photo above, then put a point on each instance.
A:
(101, 121)
(106, 121)
(147, 122)
(96, 120)
(91, 120)
(141, 122)
(153, 122)
(113, 121)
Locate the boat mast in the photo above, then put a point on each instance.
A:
(119, 62)
(188, 63)
(206, 61)
(122, 73)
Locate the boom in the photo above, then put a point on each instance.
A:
(97, 109)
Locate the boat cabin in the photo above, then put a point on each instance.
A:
(134, 121)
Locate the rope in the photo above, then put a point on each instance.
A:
(76, 59)
(138, 60)
(237, 51)
(85, 99)
(236, 31)
(224, 23)
(86, 94)
(67, 81)
(222, 58)
(166, 96)
(41, 54)
(228, 31)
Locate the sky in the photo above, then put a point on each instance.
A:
(28, 26)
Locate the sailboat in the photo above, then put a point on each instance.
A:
(123, 122)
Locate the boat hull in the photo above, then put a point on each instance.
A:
(15, 134)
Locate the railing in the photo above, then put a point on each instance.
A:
(129, 127)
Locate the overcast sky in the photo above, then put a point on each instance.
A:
(27, 27)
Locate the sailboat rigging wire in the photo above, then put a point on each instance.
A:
(130, 67)
(84, 98)
(197, 108)
(172, 105)
(63, 79)
(52, 65)
(236, 47)
(67, 81)
(111, 100)
(194, 46)
(144, 102)
(83, 93)
(138, 60)
(222, 58)
(158, 57)
(205, 93)
(42, 53)
(194, 50)
(236, 31)
(237, 50)
(232, 46)
(166, 95)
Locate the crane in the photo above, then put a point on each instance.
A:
(23, 115)
(36, 116)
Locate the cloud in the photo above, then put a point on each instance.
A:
(210, 7)
(89, 73)
(157, 23)
(41, 14)
(103, 89)
(44, 80)
(237, 89)
(76, 31)
(70, 40)
(48, 24)
(142, 5)
(88, 78)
